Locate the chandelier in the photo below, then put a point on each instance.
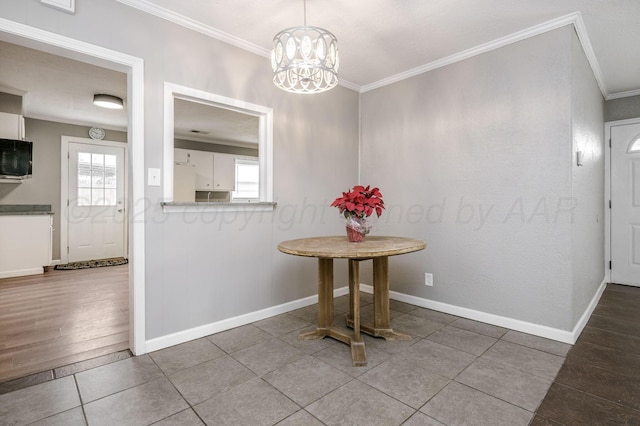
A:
(305, 59)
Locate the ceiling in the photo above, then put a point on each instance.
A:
(206, 123)
(380, 41)
(60, 89)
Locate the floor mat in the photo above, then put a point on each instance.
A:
(93, 263)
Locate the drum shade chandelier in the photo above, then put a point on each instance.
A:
(305, 59)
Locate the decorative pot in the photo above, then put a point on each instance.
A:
(354, 235)
(357, 228)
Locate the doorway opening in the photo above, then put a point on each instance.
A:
(26, 36)
(622, 195)
(93, 200)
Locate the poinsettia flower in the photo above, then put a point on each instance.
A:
(361, 201)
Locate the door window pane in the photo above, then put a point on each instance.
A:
(635, 146)
(84, 170)
(97, 181)
(97, 197)
(84, 196)
(110, 171)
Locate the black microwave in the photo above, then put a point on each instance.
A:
(16, 157)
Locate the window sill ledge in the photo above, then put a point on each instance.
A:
(216, 206)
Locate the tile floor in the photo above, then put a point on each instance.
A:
(454, 371)
(599, 382)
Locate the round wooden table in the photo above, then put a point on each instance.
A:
(377, 248)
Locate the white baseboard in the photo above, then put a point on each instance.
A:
(227, 324)
(559, 335)
(582, 322)
(22, 272)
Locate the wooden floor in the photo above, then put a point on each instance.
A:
(62, 317)
(599, 382)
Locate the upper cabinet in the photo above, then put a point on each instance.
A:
(224, 173)
(214, 172)
(11, 126)
(204, 169)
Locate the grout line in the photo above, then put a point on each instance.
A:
(84, 413)
(189, 405)
(392, 356)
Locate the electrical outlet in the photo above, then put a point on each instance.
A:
(428, 279)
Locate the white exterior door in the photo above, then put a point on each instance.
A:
(96, 214)
(625, 204)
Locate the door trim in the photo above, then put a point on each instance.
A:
(33, 37)
(64, 189)
(607, 190)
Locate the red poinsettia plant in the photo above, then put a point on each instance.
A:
(360, 202)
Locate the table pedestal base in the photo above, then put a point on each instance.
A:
(386, 333)
(358, 351)
(325, 314)
(381, 326)
(376, 248)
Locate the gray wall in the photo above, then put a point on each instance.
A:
(476, 158)
(622, 109)
(44, 185)
(587, 231)
(202, 268)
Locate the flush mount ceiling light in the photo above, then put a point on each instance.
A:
(305, 59)
(108, 101)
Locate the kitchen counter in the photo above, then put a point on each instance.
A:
(26, 236)
(25, 209)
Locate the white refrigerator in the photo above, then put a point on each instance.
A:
(184, 183)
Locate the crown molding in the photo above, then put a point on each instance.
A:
(176, 18)
(194, 25)
(583, 37)
(574, 19)
(570, 19)
(619, 95)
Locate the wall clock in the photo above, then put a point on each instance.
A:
(96, 133)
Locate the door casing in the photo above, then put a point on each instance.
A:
(607, 190)
(64, 189)
(25, 35)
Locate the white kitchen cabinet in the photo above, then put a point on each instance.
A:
(224, 173)
(203, 162)
(11, 126)
(214, 172)
(25, 244)
(181, 156)
(204, 169)
(184, 183)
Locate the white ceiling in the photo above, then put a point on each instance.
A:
(60, 89)
(380, 41)
(206, 123)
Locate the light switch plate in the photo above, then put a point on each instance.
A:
(153, 177)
